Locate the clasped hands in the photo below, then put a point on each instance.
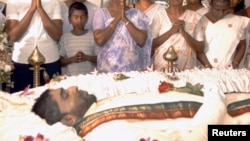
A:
(121, 6)
(35, 5)
(178, 26)
(80, 57)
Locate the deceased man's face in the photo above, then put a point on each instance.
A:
(73, 101)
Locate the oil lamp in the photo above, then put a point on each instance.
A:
(171, 56)
(36, 59)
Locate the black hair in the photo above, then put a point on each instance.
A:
(221, 1)
(239, 6)
(47, 108)
(78, 6)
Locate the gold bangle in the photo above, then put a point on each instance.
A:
(207, 66)
(236, 62)
(127, 23)
(111, 26)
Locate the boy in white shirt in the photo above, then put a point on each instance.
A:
(77, 48)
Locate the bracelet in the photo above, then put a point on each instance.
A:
(236, 62)
(111, 26)
(207, 66)
(127, 23)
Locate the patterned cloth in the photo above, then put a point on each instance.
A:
(121, 53)
(160, 111)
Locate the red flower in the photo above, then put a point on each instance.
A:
(165, 86)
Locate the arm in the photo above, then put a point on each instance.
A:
(77, 58)
(103, 35)
(140, 36)
(53, 27)
(239, 53)
(162, 38)
(16, 29)
(201, 56)
(198, 46)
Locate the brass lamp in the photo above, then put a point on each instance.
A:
(171, 56)
(36, 59)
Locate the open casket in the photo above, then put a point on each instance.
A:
(134, 109)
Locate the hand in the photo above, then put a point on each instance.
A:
(177, 26)
(39, 4)
(120, 10)
(77, 57)
(235, 64)
(81, 57)
(85, 57)
(122, 7)
(33, 5)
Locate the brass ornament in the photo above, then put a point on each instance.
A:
(36, 59)
(171, 57)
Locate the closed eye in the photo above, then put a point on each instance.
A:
(64, 94)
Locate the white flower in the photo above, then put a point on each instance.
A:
(2, 47)
(7, 68)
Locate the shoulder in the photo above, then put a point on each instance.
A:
(159, 6)
(89, 33)
(161, 12)
(190, 14)
(238, 17)
(66, 35)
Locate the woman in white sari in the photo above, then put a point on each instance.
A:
(175, 27)
(196, 5)
(225, 36)
(148, 7)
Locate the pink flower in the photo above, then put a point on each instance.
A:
(39, 137)
(147, 139)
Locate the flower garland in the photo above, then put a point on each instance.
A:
(38, 137)
(6, 65)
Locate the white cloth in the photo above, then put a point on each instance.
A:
(202, 11)
(35, 35)
(222, 38)
(67, 27)
(150, 12)
(70, 44)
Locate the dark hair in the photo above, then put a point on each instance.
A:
(239, 6)
(78, 6)
(47, 108)
(220, 1)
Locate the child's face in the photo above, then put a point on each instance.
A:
(78, 19)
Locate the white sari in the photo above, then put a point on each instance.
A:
(222, 38)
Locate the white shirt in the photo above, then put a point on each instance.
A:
(70, 44)
(35, 35)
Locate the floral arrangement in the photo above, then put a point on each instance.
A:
(6, 65)
(148, 139)
(189, 88)
(39, 137)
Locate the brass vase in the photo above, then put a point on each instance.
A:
(36, 59)
(171, 56)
